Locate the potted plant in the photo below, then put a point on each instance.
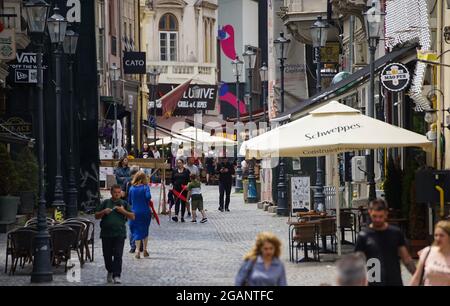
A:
(28, 180)
(8, 187)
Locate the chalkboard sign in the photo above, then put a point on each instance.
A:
(300, 194)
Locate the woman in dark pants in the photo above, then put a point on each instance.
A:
(180, 180)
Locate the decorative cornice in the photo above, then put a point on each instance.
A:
(171, 4)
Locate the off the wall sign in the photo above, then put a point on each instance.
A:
(395, 77)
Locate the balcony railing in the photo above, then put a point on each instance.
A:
(184, 69)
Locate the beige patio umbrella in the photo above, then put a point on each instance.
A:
(205, 138)
(331, 129)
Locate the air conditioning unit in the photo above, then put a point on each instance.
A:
(359, 169)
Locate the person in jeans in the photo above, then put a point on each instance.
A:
(226, 172)
(195, 195)
(180, 180)
(384, 244)
(262, 265)
(114, 214)
(122, 173)
(434, 263)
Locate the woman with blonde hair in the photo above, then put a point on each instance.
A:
(262, 265)
(434, 263)
(139, 198)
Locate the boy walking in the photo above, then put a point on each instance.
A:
(195, 194)
(114, 214)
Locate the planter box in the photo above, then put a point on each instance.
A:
(8, 210)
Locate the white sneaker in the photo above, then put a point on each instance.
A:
(109, 278)
(117, 280)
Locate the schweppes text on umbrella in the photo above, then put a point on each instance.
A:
(336, 130)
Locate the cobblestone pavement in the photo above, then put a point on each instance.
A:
(194, 254)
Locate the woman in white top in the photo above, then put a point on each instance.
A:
(434, 262)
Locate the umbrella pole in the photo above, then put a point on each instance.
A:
(338, 206)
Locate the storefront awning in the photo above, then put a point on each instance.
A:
(349, 83)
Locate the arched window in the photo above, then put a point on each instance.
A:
(168, 37)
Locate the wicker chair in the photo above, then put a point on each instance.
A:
(19, 247)
(79, 242)
(62, 240)
(348, 224)
(89, 237)
(306, 234)
(327, 228)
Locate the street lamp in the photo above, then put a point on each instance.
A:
(319, 35)
(70, 48)
(57, 26)
(374, 21)
(153, 80)
(281, 44)
(36, 13)
(250, 58)
(196, 91)
(114, 73)
(237, 71)
(263, 71)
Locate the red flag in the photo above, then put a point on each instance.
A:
(180, 195)
(170, 100)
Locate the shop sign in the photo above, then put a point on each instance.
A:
(16, 125)
(134, 63)
(395, 77)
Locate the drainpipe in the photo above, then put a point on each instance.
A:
(439, 105)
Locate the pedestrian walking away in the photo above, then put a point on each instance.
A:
(195, 195)
(180, 180)
(434, 263)
(113, 214)
(262, 265)
(226, 172)
(122, 173)
(386, 245)
(210, 162)
(193, 169)
(139, 199)
(134, 170)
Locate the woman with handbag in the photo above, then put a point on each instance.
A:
(262, 265)
(139, 198)
(434, 263)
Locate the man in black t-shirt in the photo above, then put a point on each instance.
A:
(226, 172)
(384, 246)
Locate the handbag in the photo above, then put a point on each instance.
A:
(249, 272)
(422, 274)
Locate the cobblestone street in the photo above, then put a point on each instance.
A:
(193, 254)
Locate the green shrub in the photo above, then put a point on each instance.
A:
(8, 177)
(28, 171)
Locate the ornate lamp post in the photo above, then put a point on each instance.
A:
(374, 21)
(70, 48)
(319, 34)
(237, 71)
(281, 44)
(250, 58)
(57, 26)
(153, 80)
(263, 71)
(114, 73)
(36, 14)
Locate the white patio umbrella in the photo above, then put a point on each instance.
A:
(205, 138)
(331, 129)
